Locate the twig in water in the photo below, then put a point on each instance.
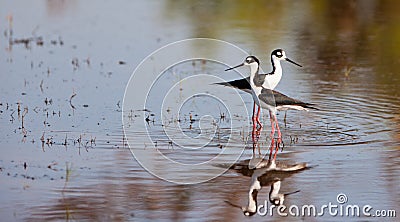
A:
(70, 99)
(65, 141)
(347, 71)
(23, 116)
(68, 171)
(42, 139)
(19, 109)
(41, 86)
(12, 117)
(92, 141)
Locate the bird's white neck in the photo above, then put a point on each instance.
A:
(274, 77)
(252, 205)
(256, 90)
(275, 188)
(253, 70)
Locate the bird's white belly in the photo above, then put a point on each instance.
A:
(271, 81)
(257, 91)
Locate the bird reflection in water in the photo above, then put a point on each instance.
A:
(264, 173)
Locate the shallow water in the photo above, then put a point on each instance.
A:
(70, 138)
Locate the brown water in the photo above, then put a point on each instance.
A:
(72, 82)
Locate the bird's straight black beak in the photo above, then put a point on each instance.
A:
(234, 67)
(232, 204)
(287, 59)
(287, 194)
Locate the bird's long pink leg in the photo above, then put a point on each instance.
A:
(276, 151)
(272, 125)
(253, 132)
(253, 118)
(258, 118)
(256, 131)
(254, 138)
(279, 141)
(271, 148)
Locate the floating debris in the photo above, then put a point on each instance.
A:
(48, 101)
(87, 61)
(118, 104)
(75, 63)
(26, 41)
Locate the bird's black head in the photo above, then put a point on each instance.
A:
(277, 201)
(251, 59)
(279, 53)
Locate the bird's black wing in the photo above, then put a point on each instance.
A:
(275, 98)
(242, 84)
